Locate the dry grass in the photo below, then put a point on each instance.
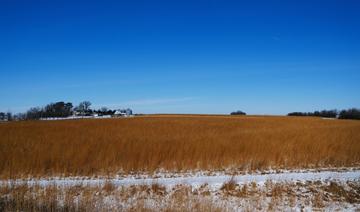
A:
(233, 189)
(229, 185)
(158, 189)
(90, 147)
(338, 193)
(26, 197)
(85, 198)
(109, 187)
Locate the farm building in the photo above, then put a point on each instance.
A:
(123, 112)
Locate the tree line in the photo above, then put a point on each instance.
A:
(6, 116)
(352, 113)
(238, 112)
(57, 109)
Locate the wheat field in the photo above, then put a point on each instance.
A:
(175, 143)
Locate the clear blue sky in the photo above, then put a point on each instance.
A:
(262, 57)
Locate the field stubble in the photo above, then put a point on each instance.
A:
(175, 143)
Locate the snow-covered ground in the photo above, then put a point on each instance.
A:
(301, 190)
(75, 117)
(215, 180)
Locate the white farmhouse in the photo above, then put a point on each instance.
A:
(123, 112)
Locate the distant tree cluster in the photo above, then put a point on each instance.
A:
(323, 113)
(105, 111)
(6, 116)
(83, 108)
(239, 112)
(58, 109)
(61, 109)
(352, 113)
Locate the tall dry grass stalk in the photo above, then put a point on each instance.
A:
(89, 147)
(275, 196)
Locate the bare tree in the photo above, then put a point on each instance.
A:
(84, 107)
(104, 109)
(9, 116)
(2, 116)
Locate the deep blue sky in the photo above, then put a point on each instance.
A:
(262, 57)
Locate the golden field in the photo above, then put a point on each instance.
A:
(175, 143)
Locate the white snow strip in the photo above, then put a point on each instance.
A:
(75, 117)
(197, 180)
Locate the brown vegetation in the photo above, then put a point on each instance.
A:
(90, 147)
(229, 185)
(233, 189)
(333, 196)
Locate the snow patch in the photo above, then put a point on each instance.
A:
(215, 181)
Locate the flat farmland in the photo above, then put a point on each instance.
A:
(175, 143)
